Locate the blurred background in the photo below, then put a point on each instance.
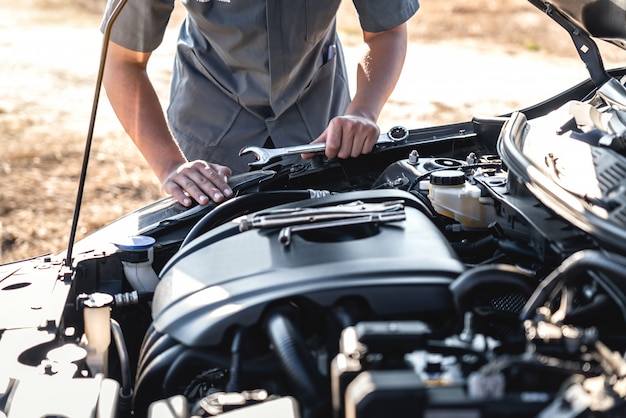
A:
(465, 59)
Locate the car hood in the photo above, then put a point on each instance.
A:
(602, 19)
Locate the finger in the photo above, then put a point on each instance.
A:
(177, 192)
(190, 182)
(359, 137)
(199, 181)
(366, 140)
(217, 177)
(207, 182)
(349, 145)
(308, 155)
(334, 138)
(223, 171)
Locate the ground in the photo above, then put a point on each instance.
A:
(465, 58)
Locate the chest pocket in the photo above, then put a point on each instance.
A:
(319, 17)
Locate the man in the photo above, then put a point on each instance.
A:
(250, 72)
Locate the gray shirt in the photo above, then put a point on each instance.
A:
(247, 70)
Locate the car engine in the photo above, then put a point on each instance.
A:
(472, 270)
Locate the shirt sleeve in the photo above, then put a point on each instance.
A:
(381, 15)
(140, 25)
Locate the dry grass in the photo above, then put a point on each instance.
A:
(48, 87)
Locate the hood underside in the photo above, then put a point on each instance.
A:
(602, 19)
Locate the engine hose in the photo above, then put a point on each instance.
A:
(161, 344)
(344, 316)
(235, 362)
(148, 386)
(122, 352)
(475, 281)
(149, 337)
(425, 204)
(242, 205)
(297, 362)
(124, 406)
(574, 265)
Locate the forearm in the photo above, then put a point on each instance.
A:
(138, 108)
(378, 71)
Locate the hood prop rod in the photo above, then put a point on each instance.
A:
(92, 121)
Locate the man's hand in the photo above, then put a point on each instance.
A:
(200, 181)
(137, 105)
(348, 136)
(378, 71)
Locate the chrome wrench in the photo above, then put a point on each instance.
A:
(266, 155)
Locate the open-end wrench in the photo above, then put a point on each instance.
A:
(265, 155)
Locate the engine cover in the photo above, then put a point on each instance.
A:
(227, 277)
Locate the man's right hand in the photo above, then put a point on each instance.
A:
(200, 181)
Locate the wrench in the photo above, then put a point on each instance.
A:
(265, 155)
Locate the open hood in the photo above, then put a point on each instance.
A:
(602, 19)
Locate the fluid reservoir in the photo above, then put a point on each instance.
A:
(137, 254)
(455, 198)
(97, 318)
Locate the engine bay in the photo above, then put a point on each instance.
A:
(443, 287)
(471, 270)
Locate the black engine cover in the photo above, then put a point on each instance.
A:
(227, 277)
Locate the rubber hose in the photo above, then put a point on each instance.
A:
(122, 353)
(290, 348)
(490, 277)
(149, 337)
(235, 362)
(575, 264)
(160, 345)
(149, 383)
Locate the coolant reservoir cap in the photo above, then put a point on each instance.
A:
(98, 300)
(447, 178)
(135, 243)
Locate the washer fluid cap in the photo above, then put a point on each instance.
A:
(136, 243)
(447, 178)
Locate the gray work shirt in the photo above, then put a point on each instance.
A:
(247, 70)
